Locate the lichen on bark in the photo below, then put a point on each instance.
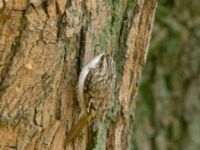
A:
(44, 45)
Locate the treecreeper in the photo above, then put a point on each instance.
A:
(95, 89)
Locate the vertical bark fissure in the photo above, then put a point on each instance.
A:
(14, 49)
(81, 50)
(99, 27)
(133, 77)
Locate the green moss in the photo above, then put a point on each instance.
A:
(101, 138)
(47, 80)
(3, 123)
(115, 32)
(103, 39)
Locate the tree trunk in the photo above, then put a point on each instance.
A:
(43, 46)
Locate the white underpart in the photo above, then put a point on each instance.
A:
(83, 75)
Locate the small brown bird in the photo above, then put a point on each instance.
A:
(95, 89)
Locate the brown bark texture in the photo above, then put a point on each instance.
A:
(43, 46)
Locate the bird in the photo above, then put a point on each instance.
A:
(95, 89)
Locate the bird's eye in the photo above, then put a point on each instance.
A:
(102, 58)
(101, 61)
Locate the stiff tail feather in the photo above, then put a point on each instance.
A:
(75, 131)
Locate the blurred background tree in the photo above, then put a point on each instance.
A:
(168, 103)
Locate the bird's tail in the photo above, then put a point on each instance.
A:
(75, 131)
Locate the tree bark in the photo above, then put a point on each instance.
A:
(43, 46)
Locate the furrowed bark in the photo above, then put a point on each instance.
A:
(43, 46)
